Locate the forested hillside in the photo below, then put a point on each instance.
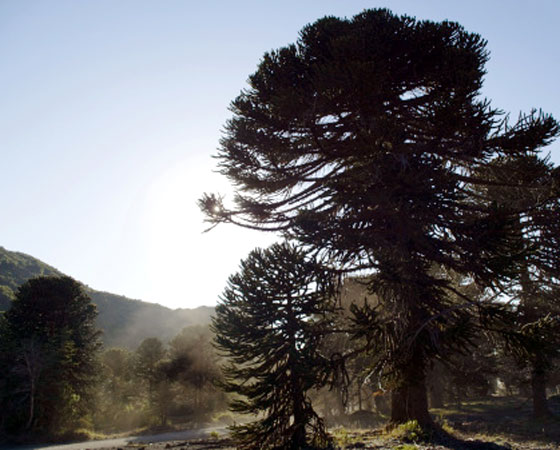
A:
(125, 322)
(15, 268)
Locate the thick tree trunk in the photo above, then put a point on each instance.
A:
(538, 385)
(298, 403)
(409, 401)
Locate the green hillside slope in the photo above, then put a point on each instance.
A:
(125, 322)
(15, 268)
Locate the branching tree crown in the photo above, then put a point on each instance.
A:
(367, 140)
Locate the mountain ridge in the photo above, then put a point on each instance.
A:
(125, 322)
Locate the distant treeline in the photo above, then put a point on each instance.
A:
(124, 321)
(58, 382)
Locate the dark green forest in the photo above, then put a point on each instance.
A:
(59, 382)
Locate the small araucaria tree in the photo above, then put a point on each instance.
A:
(270, 322)
(365, 140)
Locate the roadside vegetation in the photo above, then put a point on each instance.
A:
(482, 396)
(57, 383)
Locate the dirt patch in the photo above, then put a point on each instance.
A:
(189, 444)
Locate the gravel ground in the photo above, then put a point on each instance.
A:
(367, 443)
(358, 443)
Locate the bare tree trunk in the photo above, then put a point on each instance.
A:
(410, 401)
(538, 387)
(32, 359)
(31, 395)
(298, 438)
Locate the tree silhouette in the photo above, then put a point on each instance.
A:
(364, 141)
(51, 340)
(269, 324)
(536, 285)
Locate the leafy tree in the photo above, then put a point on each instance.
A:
(148, 355)
(151, 368)
(118, 406)
(118, 361)
(270, 323)
(365, 140)
(194, 364)
(178, 380)
(51, 341)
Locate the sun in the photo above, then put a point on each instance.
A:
(187, 267)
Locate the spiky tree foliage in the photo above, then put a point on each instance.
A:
(270, 323)
(364, 140)
(535, 289)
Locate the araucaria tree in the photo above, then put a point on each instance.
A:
(364, 141)
(536, 287)
(49, 342)
(269, 324)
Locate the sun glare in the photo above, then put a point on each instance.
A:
(178, 249)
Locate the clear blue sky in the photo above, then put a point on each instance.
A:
(110, 111)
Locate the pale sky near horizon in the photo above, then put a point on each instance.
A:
(110, 112)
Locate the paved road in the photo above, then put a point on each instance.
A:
(120, 442)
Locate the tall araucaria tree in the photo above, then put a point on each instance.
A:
(270, 322)
(364, 140)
